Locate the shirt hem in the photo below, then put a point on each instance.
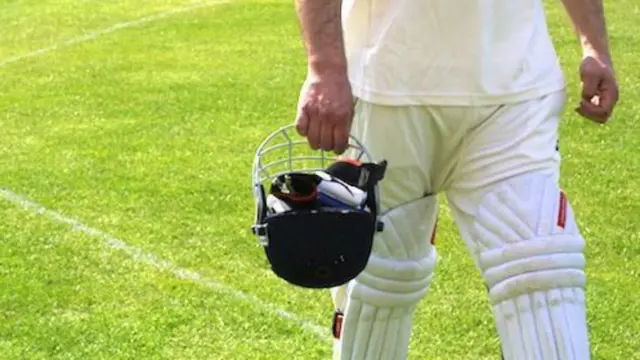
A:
(471, 99)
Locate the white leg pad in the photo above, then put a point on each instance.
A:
(379, 304)
(530, 252)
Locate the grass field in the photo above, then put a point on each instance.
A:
(133, 122)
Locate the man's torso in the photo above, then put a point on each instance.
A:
(449, 52)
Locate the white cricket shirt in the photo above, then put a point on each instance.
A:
(449, 52)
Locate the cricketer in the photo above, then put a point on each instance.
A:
(462, 98)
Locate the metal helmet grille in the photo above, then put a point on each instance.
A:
(285, 151)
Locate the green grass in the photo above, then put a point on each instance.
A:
(148, 134)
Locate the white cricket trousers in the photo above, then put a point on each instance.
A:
(499, 168)
(459, 151)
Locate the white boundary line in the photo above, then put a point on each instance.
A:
(144, 257)
(112, 29)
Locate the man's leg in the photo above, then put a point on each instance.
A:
(521, 230)
(374, 311)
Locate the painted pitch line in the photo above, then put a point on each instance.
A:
(112, 29)
(144, 257)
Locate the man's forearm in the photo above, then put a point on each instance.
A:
(320, 21)
(589, 21)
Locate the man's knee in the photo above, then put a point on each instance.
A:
(530, 252)
(526, 228)
(395, 279)
(403, 258)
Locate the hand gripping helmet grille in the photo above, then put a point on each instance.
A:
(316, 215)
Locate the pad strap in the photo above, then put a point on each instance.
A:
(542, 264)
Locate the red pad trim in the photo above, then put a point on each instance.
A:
(336, 328)
(562, 211)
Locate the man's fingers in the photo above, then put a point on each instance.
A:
(590, 85)
(595, 119)
(599, 108)
(588, 115)
(592, 111)
(599, 90)
(606, 104)
(302, 122)
(341, 140)
(326, 136)
(609, 96)
(326, 108)
(313, 134)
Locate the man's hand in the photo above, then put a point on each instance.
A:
(325, 111)
(599, 87)
(599, 90)
(325, 108)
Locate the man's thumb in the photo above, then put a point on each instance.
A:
(590, 81)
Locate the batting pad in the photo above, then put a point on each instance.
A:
(379, 304)
(531, 256)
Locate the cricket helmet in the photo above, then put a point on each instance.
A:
(316, 214)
